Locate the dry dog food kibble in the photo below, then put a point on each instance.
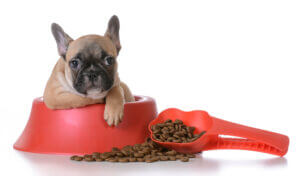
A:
(150, 151)
(176, 131)
(77, 158)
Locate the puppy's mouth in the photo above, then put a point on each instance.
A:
(96, 93)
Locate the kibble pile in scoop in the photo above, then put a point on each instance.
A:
(176, 131)
(149, 151)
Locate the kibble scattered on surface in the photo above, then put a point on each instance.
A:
(149, 151)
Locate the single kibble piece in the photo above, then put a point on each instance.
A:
(172, 158)
(154, 159)
(73, 157)
(112, 160)
(179, 156)
(88, 158)
(138, 155)
(99, 159)
(125, 152)
(120, 154)
(184, 159)
(132, 159)
(140, 159)
(178, 121)
(115, 149)
(149, 156)
(164, 158)
(171, 153)
(191, 155)
(96, 154)
(168, 121)
(123, 160)
(148, 160)
(78, 158)
(105, 155)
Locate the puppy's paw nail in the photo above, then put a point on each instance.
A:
(116, 123)
(120, 117)
(106, 116)
(110, 122)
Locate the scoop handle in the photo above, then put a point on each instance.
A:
(251, 138)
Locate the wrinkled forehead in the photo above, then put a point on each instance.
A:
(91, 46)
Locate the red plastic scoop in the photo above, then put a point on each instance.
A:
(250, 138)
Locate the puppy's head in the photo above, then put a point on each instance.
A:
(90, 61)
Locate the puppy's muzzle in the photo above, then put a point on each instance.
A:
(98, 78)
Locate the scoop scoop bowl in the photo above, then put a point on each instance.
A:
(243, 137)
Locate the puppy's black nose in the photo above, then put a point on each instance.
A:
(92, 76)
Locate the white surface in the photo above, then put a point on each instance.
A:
(239, 60)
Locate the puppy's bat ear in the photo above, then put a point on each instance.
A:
(112, 32)
(62, 39)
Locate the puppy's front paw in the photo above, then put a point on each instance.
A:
(113, 115)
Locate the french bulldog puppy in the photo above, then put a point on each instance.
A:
(87, 73)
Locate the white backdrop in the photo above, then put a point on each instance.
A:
(239, 60)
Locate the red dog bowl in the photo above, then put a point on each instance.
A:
(84, 130)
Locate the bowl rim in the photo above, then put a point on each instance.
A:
(139, 99)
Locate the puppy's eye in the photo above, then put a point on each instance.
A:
(74, 63)
(108, 60)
